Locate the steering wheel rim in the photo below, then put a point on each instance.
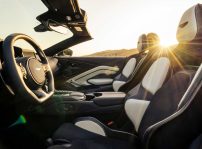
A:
(15, 74)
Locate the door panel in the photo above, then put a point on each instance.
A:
(86, 78)
(81, 71)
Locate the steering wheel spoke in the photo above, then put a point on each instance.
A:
(45, 67)
(40, 93)
(22, 70)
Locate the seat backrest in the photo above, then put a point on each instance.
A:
(173, 117)
(165, 102)
(129, 68)
(169, 124)
(121, 79)
(139, 97)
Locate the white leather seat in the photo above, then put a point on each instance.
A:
(130, 66)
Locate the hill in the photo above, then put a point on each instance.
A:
(114, 53)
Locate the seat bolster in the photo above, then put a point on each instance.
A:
(156, 75)
(117, 85)
(93, 125)
(129, 67)
(135, 110)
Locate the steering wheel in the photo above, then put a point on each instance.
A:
(30, 77)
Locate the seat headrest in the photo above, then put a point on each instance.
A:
(142, 43)
(190, 26)
(153, 40)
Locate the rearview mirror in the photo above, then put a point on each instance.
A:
(54, 26)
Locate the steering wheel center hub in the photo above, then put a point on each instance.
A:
(36, 71)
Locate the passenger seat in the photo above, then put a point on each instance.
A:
(130, 66)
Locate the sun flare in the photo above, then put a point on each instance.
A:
(166, 42)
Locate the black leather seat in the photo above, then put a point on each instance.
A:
(168, 118)
(197, 143)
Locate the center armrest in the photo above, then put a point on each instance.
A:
(69, 95)
(107, 98)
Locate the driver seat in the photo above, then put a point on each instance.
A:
(172, 110)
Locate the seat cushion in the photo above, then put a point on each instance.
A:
(69, 131)
(83, 139)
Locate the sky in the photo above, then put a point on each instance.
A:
(114, 24)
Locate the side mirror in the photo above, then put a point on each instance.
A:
(66, 52)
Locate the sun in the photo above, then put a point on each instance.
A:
(165, 42)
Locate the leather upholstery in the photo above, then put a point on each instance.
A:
(189, 29)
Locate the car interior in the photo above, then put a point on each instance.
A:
(149, 100)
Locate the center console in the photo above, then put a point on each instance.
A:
(69, 95)
(77, 102)
(106, 98)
